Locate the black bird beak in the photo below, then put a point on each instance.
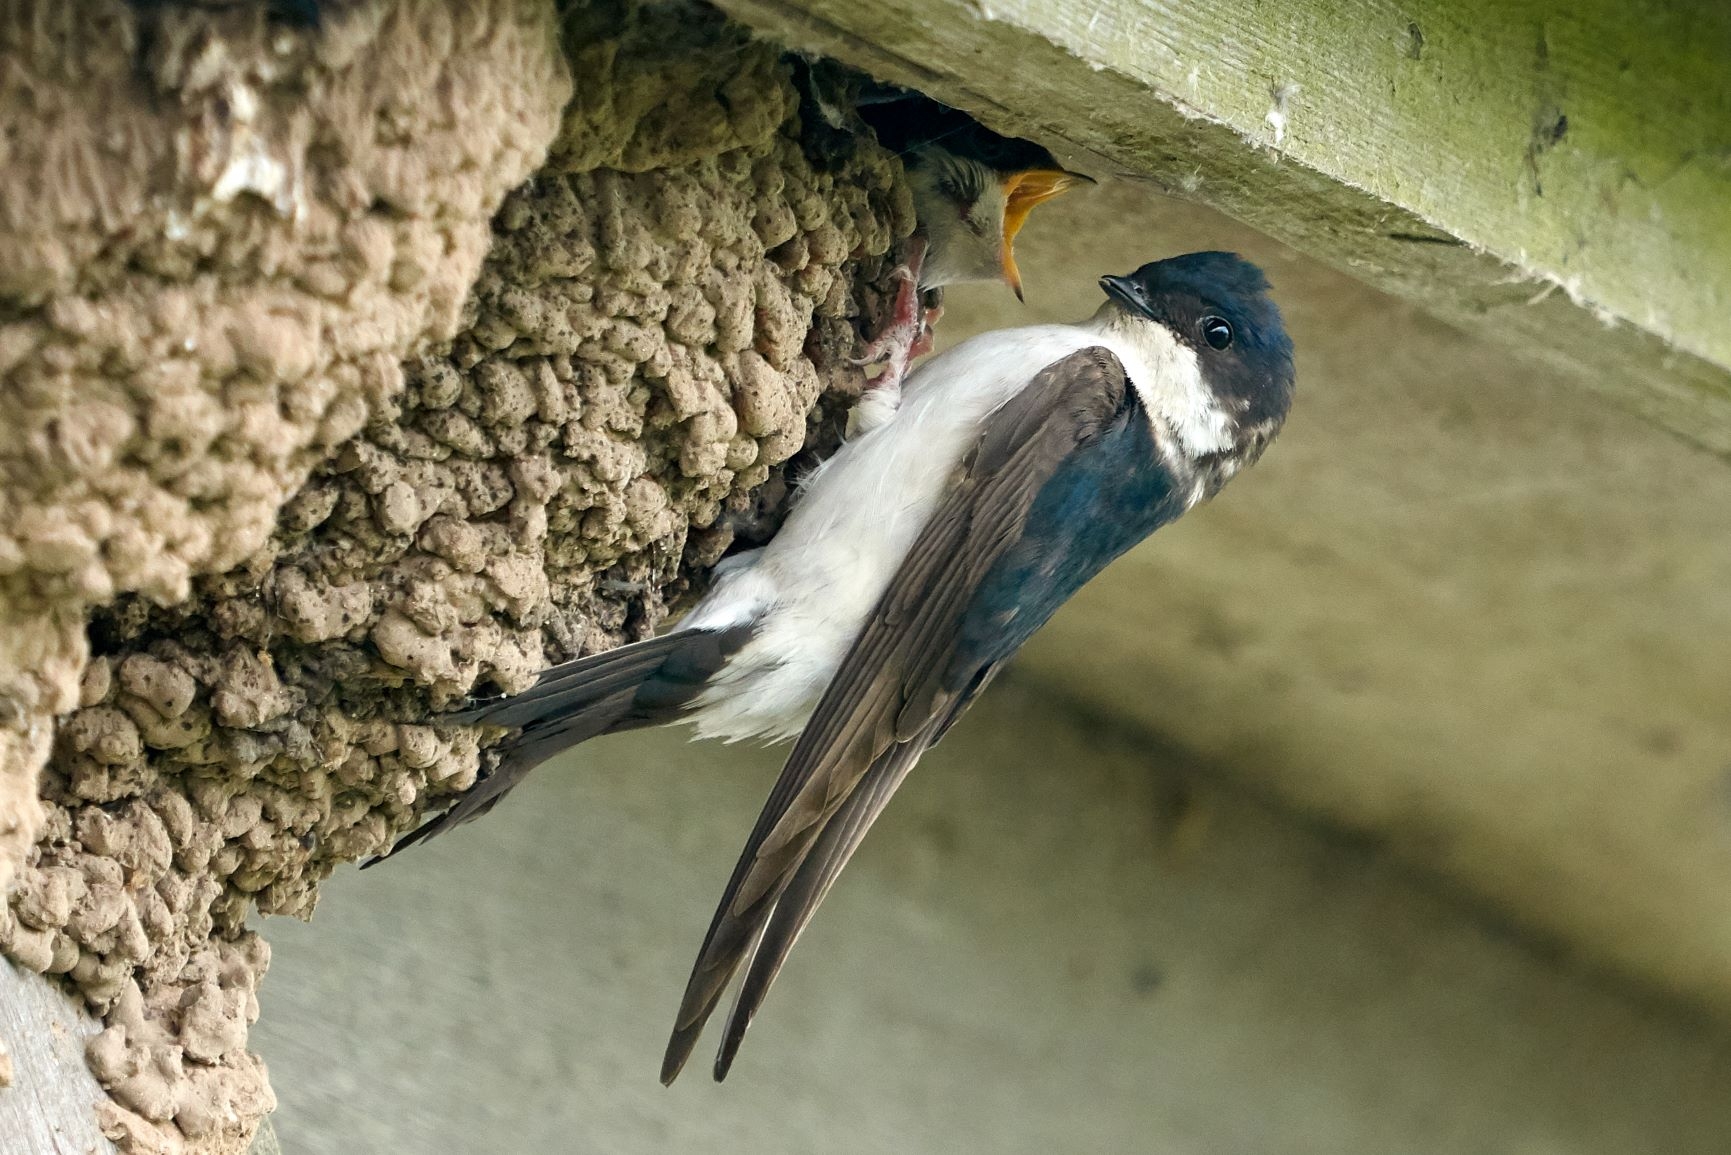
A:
(1127, 293)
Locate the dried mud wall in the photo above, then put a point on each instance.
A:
(310, 424)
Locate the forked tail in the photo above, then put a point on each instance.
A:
(643, 684)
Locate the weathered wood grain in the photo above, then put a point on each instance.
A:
(265, 1142)
(1558, 174)
(49, 1108)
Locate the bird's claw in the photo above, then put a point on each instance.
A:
(883, 393)
(909, 335)
(903, 315)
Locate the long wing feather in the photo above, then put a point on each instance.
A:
(887, 701)
(810, 884)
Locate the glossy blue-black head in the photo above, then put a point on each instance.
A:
(1216, 305)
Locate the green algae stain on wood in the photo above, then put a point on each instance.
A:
(1556, 174)
(1588, 143)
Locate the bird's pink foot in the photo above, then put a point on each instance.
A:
(907, 321)
(908, 335)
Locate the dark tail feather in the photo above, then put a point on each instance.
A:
(841, 836)
(573, 685)
(759, 934)
(641, 684)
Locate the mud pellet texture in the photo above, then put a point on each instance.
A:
(334, 452)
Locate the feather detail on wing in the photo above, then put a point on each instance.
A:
(897, 690)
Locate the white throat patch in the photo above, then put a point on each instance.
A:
(1168, 377)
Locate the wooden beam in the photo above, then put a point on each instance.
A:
(1557, 172)
(265, 1142)
(51, 1104)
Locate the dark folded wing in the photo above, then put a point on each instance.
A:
(896, 690)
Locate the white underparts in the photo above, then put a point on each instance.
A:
(856, 516)
(874, 409)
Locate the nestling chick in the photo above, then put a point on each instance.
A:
(973, 190)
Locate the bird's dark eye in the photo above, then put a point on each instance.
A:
(1217, 331)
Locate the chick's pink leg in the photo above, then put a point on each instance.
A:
(908, 335)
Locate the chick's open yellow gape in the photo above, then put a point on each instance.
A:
(1023, 192)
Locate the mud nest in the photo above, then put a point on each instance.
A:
(353, 364)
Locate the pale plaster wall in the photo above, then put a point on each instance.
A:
(1057, 940)
(1460, 612)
